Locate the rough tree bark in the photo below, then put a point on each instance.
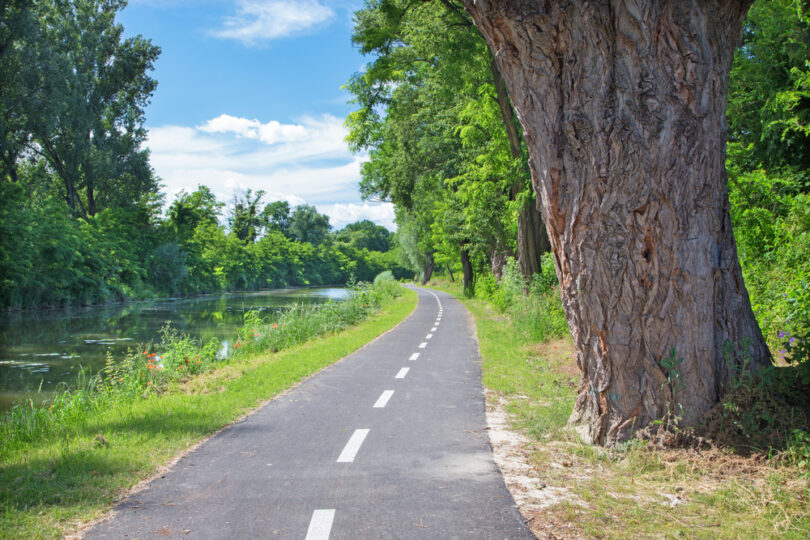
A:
(532, 239)
(467, 269)
(497, 258)
(623, 109)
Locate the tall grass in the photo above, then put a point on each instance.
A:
(534, 308)
(300, 323)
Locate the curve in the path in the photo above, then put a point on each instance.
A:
(390, 442)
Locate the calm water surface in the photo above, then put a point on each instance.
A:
(41, 349)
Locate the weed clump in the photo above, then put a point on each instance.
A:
(761, 412)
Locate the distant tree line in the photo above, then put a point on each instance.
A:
(80, 206)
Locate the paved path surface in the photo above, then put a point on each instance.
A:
(388, 443)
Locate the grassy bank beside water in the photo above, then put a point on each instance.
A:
(642, 489)
(66, 464)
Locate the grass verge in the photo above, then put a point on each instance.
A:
(49, 486)
(635, 491)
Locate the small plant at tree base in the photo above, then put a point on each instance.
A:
(674, 381)
(798, 451)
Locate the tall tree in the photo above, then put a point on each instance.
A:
(245, 218)
(189, 210)
(365, 234)
(308, 225)
(276, 216)
(623, 108)
(18, 80)
(92, 90)
(431, 65)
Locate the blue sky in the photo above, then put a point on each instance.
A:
(249, 97)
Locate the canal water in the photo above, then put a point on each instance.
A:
(41, 349)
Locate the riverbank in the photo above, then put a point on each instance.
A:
(42, 352)
(566, 489)
(73, 472)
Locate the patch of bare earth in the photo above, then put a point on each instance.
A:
(532, 494)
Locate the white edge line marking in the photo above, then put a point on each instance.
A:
(353, 446)
(414, 356)
(428, 336)
(423, 345)
(436, 297)
(320, 526)
(383, 400)
(402, 372)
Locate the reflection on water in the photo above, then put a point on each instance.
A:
(40, 349)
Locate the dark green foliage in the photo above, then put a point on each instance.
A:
(768, 163)
(307, 225)
(365, 234)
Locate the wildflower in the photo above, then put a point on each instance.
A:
(197, 362)
(149, 383)
(145, 353)
(275, 325)
(197, 356)
(121, 379)
(180, 368)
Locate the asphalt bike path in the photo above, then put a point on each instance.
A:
(390, 442)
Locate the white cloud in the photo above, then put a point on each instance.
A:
(305, 161)
(341, 215)
(270, 133)
(257, 21)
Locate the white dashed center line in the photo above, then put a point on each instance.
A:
(423, 345)
(433, 329)
(383, 400)
(353, 446)
(320, 525)
(414, 356)
(402, 372)
(428, 336)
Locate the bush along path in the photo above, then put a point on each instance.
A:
(389, 443)
(65, 463)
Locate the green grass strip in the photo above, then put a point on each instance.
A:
(50, 487)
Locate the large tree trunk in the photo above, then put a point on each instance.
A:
(532, 239)
(623, 109)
